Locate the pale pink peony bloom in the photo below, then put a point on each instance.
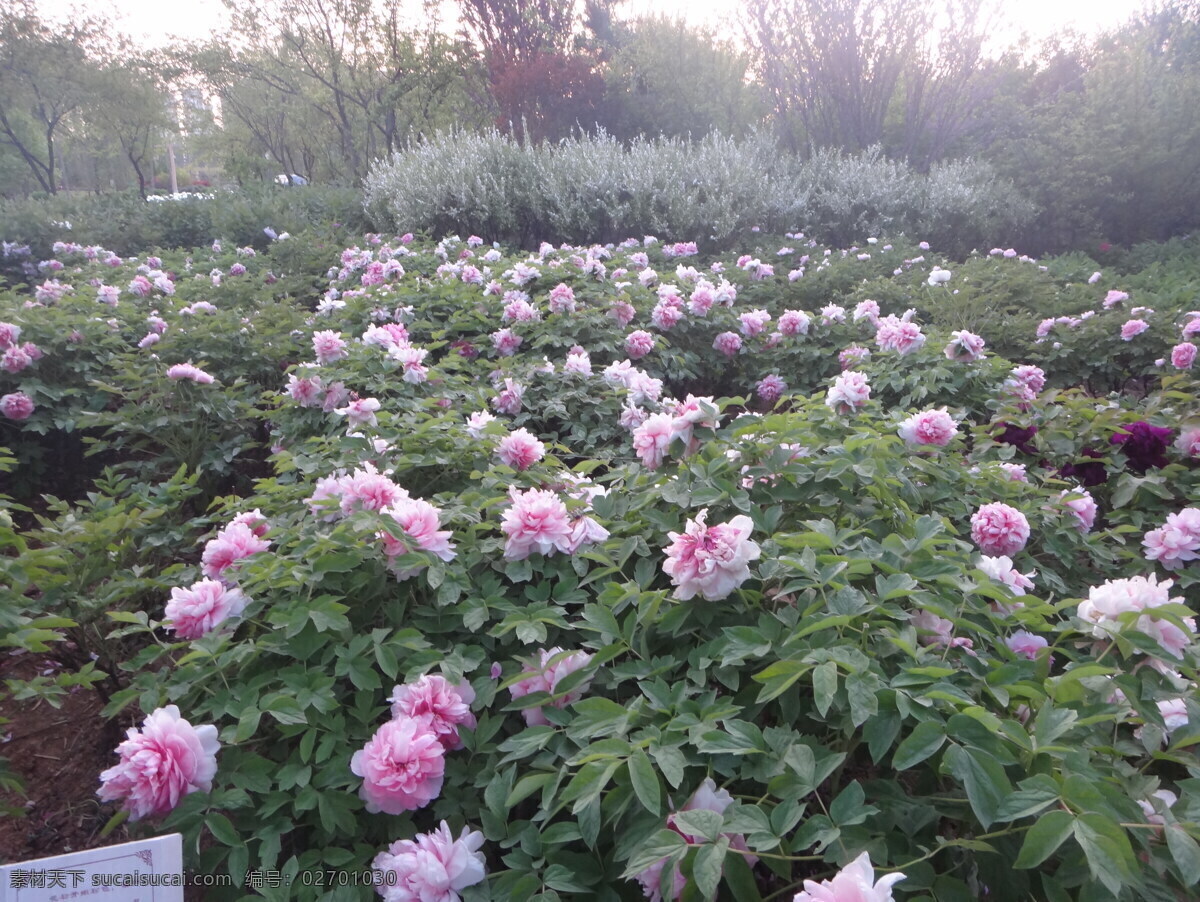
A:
(188, 371)
(1014, 472)
(579, 363)
(562, 299)
(477, 422)
(305, 390)
(520, 449)
(442, 705)
(753, 322)
(150, 338)
(433, 867)
(710, 561)
(14, 359)
(360, 412)
(201, 607)
(233, 544)
(794, 322)
(1082, 505)
(1133, 327)
(1188, 442)
(850, 391)
(623, 312)
(368, 489)
(1107, 602)
(1031, 378)
(965, 345)
(632, 416)
(1025, 644)
(552, 666)
(162, 762)
(853, 883)
(402, 766)
(328, 346)
(899, 335)
(17, 406)
(690, 413)
(868, 310)
(255, 521)
(728, 343)
(10, 333)
(652, 437)
(999, 529)
(1176, 542)
(930, 427)
(1183, 355)
(509, 399)
(537, 521)
(665, 315)
(1001, 569)
(420, 521)
(1114, 297)
(506, 342)
(638, 344)
(770, 388)
(1094, 278)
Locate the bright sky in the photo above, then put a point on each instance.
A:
(195, 19)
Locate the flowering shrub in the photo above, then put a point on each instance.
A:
(689, 625)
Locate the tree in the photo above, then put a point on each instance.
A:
(837, 71)
(46, 77)
(133, 108)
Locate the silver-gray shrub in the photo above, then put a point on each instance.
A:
(595, 188)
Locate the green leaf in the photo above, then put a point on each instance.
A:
(527, 786)
(925, 739)
(778, 678)
(984, 779)
(824, 677)
(247, 724)
(700, 822)
(740, 880)
(1026, 802)
(1109, 854)
(860, 688)
(1045, 837)
(707, 868)
(1186, 853)
(849, 808)
(663, 844)
(645, 781)
(337, 562)
(222, 829)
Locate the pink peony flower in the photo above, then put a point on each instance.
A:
(402, 766)
(850, 391)
(328, 346)
(305, 390)
(1114, 297)
(187, 371)
(9, 334)
(1176, 542)
(553, 665)
(728, 343)
(794, 322)
(477, 422)
(15, 359)
(849, 358)
(419, 521)
(1105, 604)
(17, 406)
(710, 561)
(432, 867)
(1080, 503)
(160, 764)
(536, 521)
(506, 342)
(935, 630)
(520, 449)
(200, 608)
(853, 883)
(964, 346)
(232, 544)
(1183, 355)
(367, 489)
(753, 322)
(999, 529)
(509, 399)
(638, 344)
(1001, 569)
(442, 705)
(770, 388)
(360, 412)
(931, 427)
(1188, 442)
(896, 334)
(1133, 327)
(652, 437)
(1025, 644)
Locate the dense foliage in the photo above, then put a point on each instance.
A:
(729, 569)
